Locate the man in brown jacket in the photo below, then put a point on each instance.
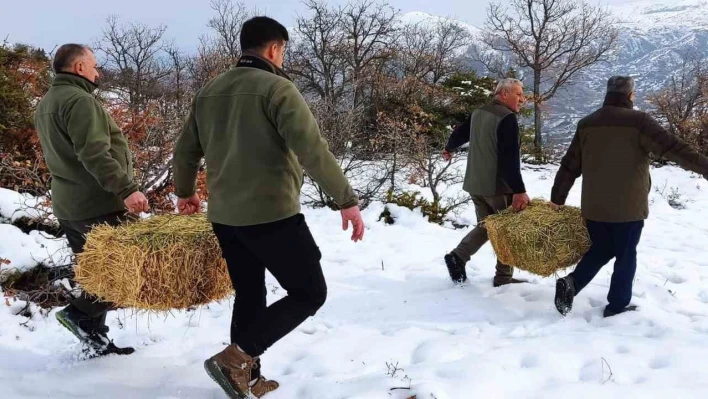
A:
(611, 150)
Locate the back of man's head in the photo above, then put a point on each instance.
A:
(620, 84)
(67, 55)
(259, 32)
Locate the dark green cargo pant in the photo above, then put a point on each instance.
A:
(475, 239)
(76, 231)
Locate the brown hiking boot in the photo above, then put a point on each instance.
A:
(500, 282)
(231, 369)
(263, 386)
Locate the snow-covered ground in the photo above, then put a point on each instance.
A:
(26, 251)
(394, 320)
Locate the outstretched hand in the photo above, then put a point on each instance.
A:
(354, 216)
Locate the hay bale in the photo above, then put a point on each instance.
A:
(539, 239)
(156, 264)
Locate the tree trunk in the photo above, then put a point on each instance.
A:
(538, 138)
(393, 170)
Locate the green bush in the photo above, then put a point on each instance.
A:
(412, 200)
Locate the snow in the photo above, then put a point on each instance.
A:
(14, 205)
(428, 20)
(25, 251)
(394, 320)
(646, 15)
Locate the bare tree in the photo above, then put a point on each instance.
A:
(132, 60)
(227, 24)
(218, 51)
(554, 39)
(357, 156)
(148, 93)
(206, 64)
(369, 32)
(683, 103)
(414, 51)
(317, 61)
(450, 39)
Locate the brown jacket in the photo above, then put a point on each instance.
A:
(611, 150)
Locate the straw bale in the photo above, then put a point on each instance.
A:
(539, 239)
(156, 264)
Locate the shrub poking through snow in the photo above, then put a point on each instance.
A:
(40, 285)
(539, 239)
(157, 264)
(412, 200)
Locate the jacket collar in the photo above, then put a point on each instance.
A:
(618, 100)
(72, 79)
(495, 101)
(251, 60)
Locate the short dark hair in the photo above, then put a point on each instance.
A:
(620, 84)
(67, 54)
(258, 32)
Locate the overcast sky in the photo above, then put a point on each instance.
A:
(46, 24)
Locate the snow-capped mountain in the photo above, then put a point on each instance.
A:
(654, 38)
(416, 17)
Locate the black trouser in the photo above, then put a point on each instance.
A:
(611, 240)
(76, 231)
(287, 250)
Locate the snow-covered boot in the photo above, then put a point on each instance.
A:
(91, 332)
(565, 293)
(456, 268)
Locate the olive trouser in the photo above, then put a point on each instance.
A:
(475, 239)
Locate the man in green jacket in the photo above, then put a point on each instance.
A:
(256, 134)
(611, 150)
(493, 177)
(92, 176)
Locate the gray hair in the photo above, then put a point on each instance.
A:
(620, 84)
(507, 84)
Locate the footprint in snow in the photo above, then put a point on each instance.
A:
(623, 349)
(660, 362)
(530, 361)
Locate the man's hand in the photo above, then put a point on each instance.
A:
(189, 206)
(447, 155)
(554, 206)
(520, 201)
(137, 202)
(353, 215)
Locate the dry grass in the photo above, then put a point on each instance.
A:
(539, 239)
(157, 264)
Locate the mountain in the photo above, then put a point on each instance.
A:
(654, 38)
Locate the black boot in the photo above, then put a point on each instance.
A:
(565, 293)
(456, 268)
(92, 332)
(609, 313)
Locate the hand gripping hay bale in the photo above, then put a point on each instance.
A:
(156, 264)
(539, 239)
